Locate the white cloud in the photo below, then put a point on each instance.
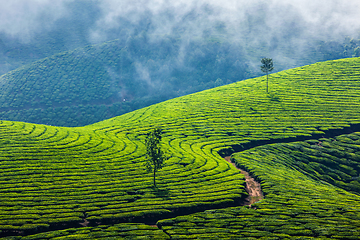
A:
(324, 17)
(23, 18)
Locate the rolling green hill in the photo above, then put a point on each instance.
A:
(56, 178)
(97, 82)
(298, 203)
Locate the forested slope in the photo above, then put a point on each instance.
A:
(58, 178)
(97, 82)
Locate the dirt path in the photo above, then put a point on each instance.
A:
(253, 187)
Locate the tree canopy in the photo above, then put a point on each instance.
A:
(155, 155)
(267, 66)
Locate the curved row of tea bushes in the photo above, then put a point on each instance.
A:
(117, 231)
(74, 88)
(335, 160)
(115, 77)
(297, 204)
(53, 177)
(57, 177)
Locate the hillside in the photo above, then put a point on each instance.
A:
(97, 82)
(301, 200)
(54, 178)
(70, 24)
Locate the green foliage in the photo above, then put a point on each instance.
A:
(357, 52)
(91, 83)
(59, 177)
(219, 82)
(117, 231)
(298, 203)
(267, 66)
(155, 155)
(334, 160)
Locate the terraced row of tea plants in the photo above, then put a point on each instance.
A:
(89, 84)
(93, 83)
(66, 88)
(117, 231)
(53, 177)
(57, 178)
(297, 204)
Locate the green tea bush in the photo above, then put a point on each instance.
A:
(66, 176)
(299, 203)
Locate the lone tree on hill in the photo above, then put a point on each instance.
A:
(267, 66)
(155, 159)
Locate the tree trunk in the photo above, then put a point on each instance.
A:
(267, 82)
(154, 179)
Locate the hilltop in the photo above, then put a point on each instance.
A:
(56, 178)
(96, 82)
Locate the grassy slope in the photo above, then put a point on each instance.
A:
(61, 175)
(297, 203)
(89, 84)
(50, 90)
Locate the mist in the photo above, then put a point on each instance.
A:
(286, 31)
(22, 19)
(272, 25)
(153, 50)
(321, 19)
(315, 19)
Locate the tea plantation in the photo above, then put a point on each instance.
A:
(91, 182)
(297, 204)
(97, 82)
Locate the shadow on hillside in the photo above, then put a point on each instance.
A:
(326, 134)
(162, 193)
(273, 97)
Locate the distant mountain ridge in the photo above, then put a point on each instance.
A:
(96, 82)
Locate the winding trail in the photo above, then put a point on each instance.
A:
(253, 188)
